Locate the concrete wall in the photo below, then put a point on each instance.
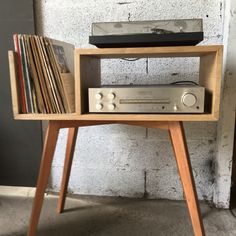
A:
(128, 161)
(225, 129)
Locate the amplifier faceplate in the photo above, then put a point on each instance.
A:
(143, 99)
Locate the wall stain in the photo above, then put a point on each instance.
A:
(230, 165)
(221, 7)
(210, 141)
(129, 15)
(211, 152)
(123, 3)
(146, 133)
(211, 165)
(147, 66)
(174, 189)
(145, 194)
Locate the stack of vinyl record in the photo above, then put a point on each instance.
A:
(45, 79)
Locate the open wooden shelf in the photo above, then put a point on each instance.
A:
(88, 74)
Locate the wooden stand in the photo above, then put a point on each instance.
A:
(88, 75)
(177, 136)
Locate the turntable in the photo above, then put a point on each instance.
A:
(147, 33)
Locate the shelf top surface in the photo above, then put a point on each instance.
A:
(119, 117)
(194, 51)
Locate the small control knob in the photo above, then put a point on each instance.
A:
(175, 107)
(99, 106)
(111, 106)
(98, 96)
(111, 96)
(189, 99)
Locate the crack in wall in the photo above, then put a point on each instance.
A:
(129, 15)
(145, 194)
(147, 66)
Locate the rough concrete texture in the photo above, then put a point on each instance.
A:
(226, 125)
(131, 161)
(143, 165)
(111, 216)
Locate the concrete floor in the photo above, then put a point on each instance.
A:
(111, 216)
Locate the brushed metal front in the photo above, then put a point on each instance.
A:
(147, 99)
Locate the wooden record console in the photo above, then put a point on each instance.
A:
(88, 74)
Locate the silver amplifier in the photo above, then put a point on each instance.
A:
(147, 99)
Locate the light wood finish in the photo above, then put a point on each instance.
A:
(151, 124)
(72, 134)
(88, 74)
(180, 51)
(45, 167)
(209, 55)
(210, 77)
(13, 75)
(185, 171)
(81, 123)
(118, 117)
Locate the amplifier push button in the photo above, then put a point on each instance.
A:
(111, 107)
(98, 96)
(175, 107)
(111, 95)
(99, 106)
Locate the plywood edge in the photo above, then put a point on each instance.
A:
(218, 86)
(149, 117)
(77, 82)
(71, 116)
(150, 50)
(216, 116)
(119, 117)
(13, 82)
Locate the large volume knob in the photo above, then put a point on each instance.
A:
(189, 99)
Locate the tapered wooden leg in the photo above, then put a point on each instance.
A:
(45, 167)
(184, 165)
(67, 167)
